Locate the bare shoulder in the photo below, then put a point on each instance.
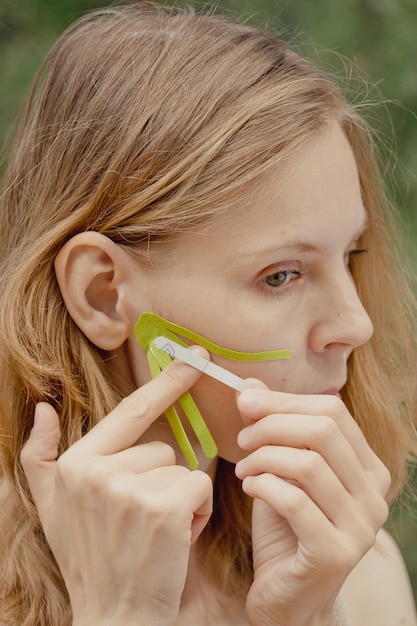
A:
(378, 591)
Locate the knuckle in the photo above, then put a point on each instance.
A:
(313, 466)
(173, 374)
(364, 538)
(326, 429)
(333, 405)
(91, 472)
(137, 406)
(386, 480)
(381, 512)
(368, 539)
(95, 473)
(163, 452)
(263, 431)
(203, 481)
(159, 509)
(296, 502)
(64, 466)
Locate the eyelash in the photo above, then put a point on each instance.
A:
(294, 274)
(353, 253)
(286, 274)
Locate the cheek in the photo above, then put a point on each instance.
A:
(274, 374)
(138, 362)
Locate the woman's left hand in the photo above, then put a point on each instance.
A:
(319, 503)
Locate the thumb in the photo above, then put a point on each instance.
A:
(38, 457)
(247, 398)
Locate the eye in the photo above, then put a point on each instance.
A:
(280, 279)
(352, 254)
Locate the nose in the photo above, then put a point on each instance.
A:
(341, 319)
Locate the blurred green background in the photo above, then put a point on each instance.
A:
(372, 43)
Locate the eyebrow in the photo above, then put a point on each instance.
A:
(297, 247)
(303, 246)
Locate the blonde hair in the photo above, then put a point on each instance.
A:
(143, 122)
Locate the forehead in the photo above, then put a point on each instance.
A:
(311, 199)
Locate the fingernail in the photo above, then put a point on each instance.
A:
(249, 399)
(244, 436)
(200, 351)
(246, 483)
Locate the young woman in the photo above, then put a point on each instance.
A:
(195, 168)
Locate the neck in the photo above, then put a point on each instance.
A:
(203, 604)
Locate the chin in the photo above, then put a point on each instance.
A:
(232, 456)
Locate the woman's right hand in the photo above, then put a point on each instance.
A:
(120, 518)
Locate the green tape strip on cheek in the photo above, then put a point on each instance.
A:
(149, 326)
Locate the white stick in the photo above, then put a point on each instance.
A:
(203, 365)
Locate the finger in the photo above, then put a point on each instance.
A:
(320, 539)
(253, 383)
(309, 471)
(200, 486)
(321, 435)
(199, 489)
(144, 457)
(309, 524)
(257, 403)
(182, 497)
(123, 426)
(303, 468)
(38, 457)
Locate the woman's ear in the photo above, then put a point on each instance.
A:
(93, 274)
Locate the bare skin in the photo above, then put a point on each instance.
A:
(121, 479)
(112, 510)
(136, 492)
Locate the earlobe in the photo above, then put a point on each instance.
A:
(92, 272)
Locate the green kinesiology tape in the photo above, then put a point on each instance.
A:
(150, 326)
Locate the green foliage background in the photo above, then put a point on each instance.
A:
(373, 43)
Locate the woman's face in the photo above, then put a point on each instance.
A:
(271, 274)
